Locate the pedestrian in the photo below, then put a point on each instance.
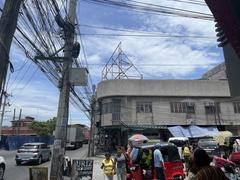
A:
(108, 166)
(129, 149)
(135, 155)
(158, 162)
(236, 145)
(200, 169)
(186, 155)
(120, 162)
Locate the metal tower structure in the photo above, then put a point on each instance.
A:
(119, 66)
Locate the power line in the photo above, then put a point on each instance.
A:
(165, 65)
(155, 9)
(146, 33)
(149, 35)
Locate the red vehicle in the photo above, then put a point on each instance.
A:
(235, 157)
(173, 166)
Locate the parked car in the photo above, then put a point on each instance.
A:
(210, 146)
(2, 167)
(33, 152)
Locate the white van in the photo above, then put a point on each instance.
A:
(179, 142)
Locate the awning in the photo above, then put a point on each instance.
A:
(135, 127)
(193, 131)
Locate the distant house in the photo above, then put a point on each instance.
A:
(20, 127)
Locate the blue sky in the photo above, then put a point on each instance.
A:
(35, 94)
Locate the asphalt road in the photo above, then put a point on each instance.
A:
(14, 172)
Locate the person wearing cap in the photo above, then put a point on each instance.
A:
(158, 162)
(108, 166)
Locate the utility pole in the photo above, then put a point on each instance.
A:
(91, 143)
(63, 106)
(8, 23)
(19, 122)
(3, 111)
(14, 127)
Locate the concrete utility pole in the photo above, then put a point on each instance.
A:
(14, 116)
(3, 111)
(63, 106)
(91, 143)
(8, 23)
(19, 122)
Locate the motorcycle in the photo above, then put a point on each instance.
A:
(230, 169)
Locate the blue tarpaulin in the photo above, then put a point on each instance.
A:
(14, 142)
(192, 131)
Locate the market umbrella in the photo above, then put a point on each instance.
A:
(138, 138)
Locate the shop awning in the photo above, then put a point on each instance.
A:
(192, 131)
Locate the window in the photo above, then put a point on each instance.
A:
(236, 106)
(116, 109)
(191, 108)
(107, 108)
(212, 108)
(144, 107)
(182, 107)
(113, 108)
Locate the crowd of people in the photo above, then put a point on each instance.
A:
(119, 165)
(197, 163)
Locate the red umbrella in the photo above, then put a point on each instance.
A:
(138, 138)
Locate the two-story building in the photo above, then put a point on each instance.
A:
(151, 106)
(20, 127)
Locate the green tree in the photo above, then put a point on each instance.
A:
(44, 128)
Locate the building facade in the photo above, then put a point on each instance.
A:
(150, 106)
(20, 127)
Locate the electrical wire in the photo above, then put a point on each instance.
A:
(34, 37)
(155, 9)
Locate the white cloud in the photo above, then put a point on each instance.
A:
(162, 51)
(40, 97)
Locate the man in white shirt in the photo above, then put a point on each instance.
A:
(158, 162)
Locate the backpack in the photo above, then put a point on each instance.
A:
(186, 151)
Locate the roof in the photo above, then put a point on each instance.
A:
(163, 88)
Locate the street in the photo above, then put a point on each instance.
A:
(14, 172)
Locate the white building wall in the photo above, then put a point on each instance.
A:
(162, 115)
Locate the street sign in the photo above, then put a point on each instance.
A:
(83, 169)
(38, 173)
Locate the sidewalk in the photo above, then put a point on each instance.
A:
(97, 171)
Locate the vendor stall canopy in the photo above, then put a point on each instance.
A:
(193, 131)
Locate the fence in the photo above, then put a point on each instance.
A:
(15, 142)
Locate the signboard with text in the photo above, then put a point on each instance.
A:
(83, 169)
(38, 173)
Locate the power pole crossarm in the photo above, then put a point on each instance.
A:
(63, 106)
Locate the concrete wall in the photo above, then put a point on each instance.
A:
(162, 115)
(165, 88)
